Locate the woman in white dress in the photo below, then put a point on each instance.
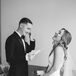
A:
(59, 53)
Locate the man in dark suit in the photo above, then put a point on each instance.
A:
(17, 47)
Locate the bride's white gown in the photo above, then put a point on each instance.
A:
(67, 68)
(57, 73)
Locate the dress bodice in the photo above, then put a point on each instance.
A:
(60, 70)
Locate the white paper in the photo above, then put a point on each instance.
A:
(32, 54)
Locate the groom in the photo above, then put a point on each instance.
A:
(17, 48)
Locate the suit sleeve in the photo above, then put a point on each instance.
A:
(30, 47)
(10, 47)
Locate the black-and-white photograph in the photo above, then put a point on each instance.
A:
(37, 38)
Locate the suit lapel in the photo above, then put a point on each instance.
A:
(18, 37)
(20, 41)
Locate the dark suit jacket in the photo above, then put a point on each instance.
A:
(15, 55)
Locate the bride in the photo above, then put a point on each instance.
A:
(59, 53)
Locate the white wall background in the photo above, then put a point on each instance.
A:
(48, 16)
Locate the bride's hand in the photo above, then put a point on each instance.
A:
(41, 73)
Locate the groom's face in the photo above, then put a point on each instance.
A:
(27, 28)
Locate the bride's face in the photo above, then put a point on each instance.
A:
(57, 37)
